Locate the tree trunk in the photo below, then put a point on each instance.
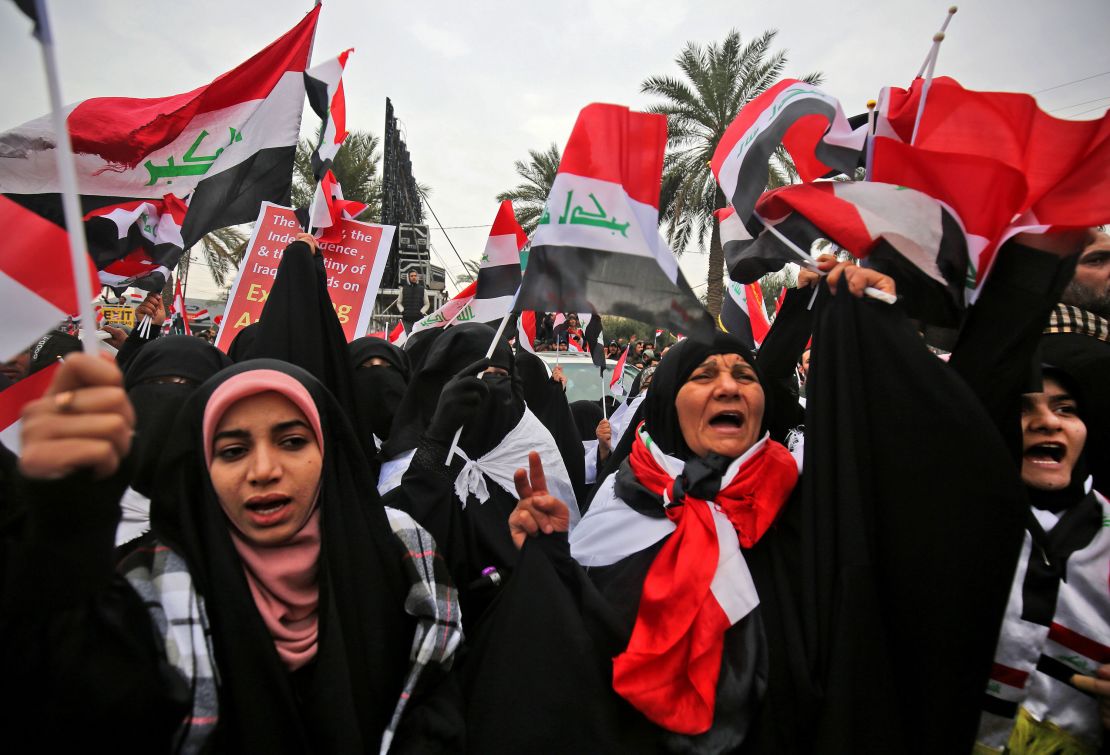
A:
(715, 290)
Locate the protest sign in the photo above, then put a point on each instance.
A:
(354, 264)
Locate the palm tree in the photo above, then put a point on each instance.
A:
(469, 274)
(719, 80)
(355, 166)
(530, 196)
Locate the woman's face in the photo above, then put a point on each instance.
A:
(266, 468)
(720, 406)
(1053, 437)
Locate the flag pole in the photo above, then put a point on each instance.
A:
(489, 353)
(809, 261)
(928, 67)
(604, 409)
(933, 50)
(869, 151)
(67, 174)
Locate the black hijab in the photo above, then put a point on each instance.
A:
(243, 343)
(548, 401)
(682, 359)
(157, 403)
(587, 415)
(379, 388)
(450, 352)
(299, 325)
(345, 701)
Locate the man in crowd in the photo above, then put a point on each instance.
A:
(412, 301)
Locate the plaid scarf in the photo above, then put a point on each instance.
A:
(161, 578)
(1068, 319)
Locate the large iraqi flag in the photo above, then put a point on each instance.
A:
(998, 161)
(597, 246)
(809, 123)
(223, 147)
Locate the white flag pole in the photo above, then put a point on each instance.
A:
(67, 175)
(809, 261)
(489, 353)
(928, 67)
(604, 409)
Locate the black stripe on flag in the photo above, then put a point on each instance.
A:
(573, 279)
(754, 171)
(232, 196)
(748, 261)
(1061, 672)
(497, 281)
(999, 707)
(736, 322)
(317, 93)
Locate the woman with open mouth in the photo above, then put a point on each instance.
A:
(1052, 666)
(275, 606)
(712, 600)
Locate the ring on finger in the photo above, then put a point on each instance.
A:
(63, 401)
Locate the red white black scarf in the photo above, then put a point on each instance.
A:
(699, 585)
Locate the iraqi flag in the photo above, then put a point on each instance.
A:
(997, 160)
(597, 246)
(807, 122)
(136, 243)
(748, 258)
(224, 147)
(397, 336)
(324, 87)
(616, 387)
(499, 272)
(526, 331)
(37, 288)
(329, 208)
(15, 397)
(905, 233)
(743, 314)
(178, 321)
(457, 308)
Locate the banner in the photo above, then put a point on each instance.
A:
(355, 265)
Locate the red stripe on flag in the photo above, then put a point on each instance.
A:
(18, 395)
(505, 224)
(36, 255)
(1073, 640)
(613, 143)
(618, 369)
(1011, 677)
(124, 130)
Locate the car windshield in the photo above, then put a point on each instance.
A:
(583, 381)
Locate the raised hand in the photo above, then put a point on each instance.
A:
(537, 510)
(459, 401)
(152, 308)
(83, 421)
(858, 278)
(604, 433)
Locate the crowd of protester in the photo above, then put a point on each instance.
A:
(839, 543)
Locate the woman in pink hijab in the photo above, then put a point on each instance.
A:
(275, 606)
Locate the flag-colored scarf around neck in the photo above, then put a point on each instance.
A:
(699, 585)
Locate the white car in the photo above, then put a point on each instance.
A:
(583, 379)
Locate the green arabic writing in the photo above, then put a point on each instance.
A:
(191, 163)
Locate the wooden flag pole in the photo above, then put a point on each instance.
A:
(67, 175)
(489, 353)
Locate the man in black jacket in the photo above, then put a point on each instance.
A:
(412, 300)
